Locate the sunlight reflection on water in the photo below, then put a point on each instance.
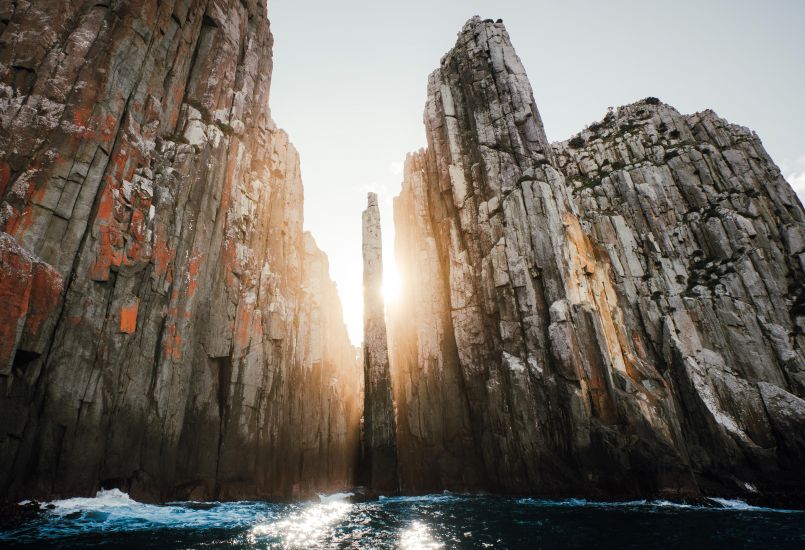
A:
(303, 529)
(426, 522)
(314, 525)
(418, 537)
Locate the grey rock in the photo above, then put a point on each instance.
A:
(592, 317)
(180, 336)
(379, 430)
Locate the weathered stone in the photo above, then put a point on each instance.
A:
(196, 348)
(30, 290)
(619, 314)
(593, 317)
(379, 439)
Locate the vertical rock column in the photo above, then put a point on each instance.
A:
(436, 446)
(379, 430)
(620, 314)
(166, 326)
(535, 380)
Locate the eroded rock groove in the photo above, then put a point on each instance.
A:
(619, 314)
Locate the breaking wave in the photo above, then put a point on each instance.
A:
(713, 503)
(409, 522)
(445, 496)
(114, 511)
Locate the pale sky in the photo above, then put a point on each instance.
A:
(350, 79)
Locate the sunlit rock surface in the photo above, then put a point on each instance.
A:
(617, 314)
(166, 327)
(379, 432)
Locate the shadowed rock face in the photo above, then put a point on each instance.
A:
(619, 314)
(166, 327)
(380, 454)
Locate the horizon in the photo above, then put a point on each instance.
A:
(354, 138)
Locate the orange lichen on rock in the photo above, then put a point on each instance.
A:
(128, 317)
(15, 288)
(173, 343)
(109, 253)
(19, 222)
(29, 292)
(81, 115)
(162, 255)
(117, 217)
(136, 247)
(142, 145)
(100, 269)
(243, 323)
(192, 273)
(108, 128)
(92, 126)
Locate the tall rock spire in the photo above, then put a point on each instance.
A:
(379, 427)
(618, 314)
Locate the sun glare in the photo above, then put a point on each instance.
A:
(392, 283)
(418, 537)
(305, 528)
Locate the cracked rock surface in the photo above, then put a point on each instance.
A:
(379, 431)
(619, 314)
(166, 326)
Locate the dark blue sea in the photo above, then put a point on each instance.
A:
(113, 520)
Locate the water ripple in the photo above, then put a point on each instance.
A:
(429, 522)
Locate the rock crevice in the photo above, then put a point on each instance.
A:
(620, 314)
(173, 331)
(605, 316)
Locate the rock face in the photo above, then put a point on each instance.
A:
(166, 327)
(619, 314)
(379, 431)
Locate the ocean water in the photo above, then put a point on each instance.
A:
(113, 520)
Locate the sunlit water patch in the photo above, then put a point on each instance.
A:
(418, 537)
(429, 522)
(309, 525)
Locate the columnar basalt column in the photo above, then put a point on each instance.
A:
(166, 325)
(379, 430)
(618, 314)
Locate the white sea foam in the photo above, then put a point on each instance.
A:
(114, 511)
(718, 504)
(335, 497)
(445, 496)
(738, 505)
(104, 499)
(735, 504)
(302, 524)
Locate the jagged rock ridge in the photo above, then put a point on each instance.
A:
(166, 327)
(618, 314)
